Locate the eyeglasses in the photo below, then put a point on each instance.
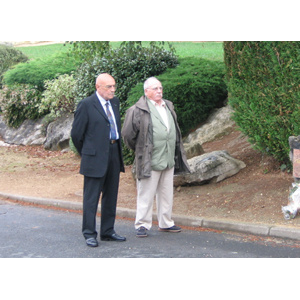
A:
(156, 88)
(108, 87)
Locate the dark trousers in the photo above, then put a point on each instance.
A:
(108, 185)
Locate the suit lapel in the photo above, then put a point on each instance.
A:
(115, 108)
(156, 114)
(98, 106)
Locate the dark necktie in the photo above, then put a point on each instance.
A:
(113, 134)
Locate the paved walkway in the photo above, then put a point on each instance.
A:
(256, 229)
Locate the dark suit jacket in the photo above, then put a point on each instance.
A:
(90, 135)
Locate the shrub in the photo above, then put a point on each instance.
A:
(263, 82)
(59, 96)
(36, 72)
(195, 87)
(9, 57)
(127, 67)
(18, 103)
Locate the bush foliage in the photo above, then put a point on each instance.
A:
(9, 57)
(18, 103)
(195, 86)
(127, 65)
(59, 96)
(36, 72)
(263, 82)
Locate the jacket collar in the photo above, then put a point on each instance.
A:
(99, 106)
(142, 103)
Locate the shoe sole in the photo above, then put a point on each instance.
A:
(112, 240)
(167, 230)
(93, 246)
(141, 235)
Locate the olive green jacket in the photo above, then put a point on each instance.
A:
(164, 140)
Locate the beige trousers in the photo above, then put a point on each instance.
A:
(159, 185)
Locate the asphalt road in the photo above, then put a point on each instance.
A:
(32, 232)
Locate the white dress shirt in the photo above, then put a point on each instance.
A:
(103, 103)
(162, 111)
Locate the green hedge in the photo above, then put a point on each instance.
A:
(195, 87)
(127, 66)
(19, 103)
(9, 57)
(59, 96)
(36, 72)
(263, 82)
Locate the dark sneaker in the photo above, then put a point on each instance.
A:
(171, 229)
(141, 232)
(91, 242)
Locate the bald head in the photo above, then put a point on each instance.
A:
(106, 86)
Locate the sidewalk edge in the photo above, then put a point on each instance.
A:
(257, 229)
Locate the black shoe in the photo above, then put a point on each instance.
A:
(141, 232)
(171, 229)
(114, 237)
(91, 242)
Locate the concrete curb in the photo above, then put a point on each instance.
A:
(256, 229)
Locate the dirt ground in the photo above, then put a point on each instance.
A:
(256, 194)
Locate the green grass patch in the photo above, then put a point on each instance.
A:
(34, 52)
(207, 50)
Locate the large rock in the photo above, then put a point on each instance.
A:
(58, 133)
(55, 137)
(217, 124)
(193, 150)
(216, 165)
(29, 133)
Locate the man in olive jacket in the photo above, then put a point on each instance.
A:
(152, 131)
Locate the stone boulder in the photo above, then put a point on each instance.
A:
(217, 124)
(55, 136)
(29, 133)
(216, 166)
(193, 150)
(58, 133)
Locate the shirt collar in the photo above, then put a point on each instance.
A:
(102, 101)
(163, 103)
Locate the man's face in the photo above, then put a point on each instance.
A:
(154, 91)
(106, 87)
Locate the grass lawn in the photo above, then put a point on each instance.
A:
(45, 50)
(207, 50)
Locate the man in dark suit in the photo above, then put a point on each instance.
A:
(96, 136)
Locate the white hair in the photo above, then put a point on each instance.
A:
(149, 82)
